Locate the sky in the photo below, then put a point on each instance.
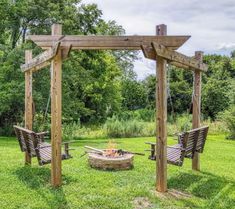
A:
(211, 23)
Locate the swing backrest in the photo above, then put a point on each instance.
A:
(202, 139)
(20, 138)
(195, 140)
(27, 139)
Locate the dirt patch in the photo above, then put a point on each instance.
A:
(142, 203)
(173, 193)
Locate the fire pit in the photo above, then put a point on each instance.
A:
(110, 158)
(119, 162)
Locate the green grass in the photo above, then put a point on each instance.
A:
(29, 187)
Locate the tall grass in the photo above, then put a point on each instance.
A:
(139, 123)
(117, 128)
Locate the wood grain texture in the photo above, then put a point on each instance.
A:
(197, 107)
(42, 60)
(108, 42)
(150, 53)
(177, 57)
(161, 106)
(56, 132)
(28, 101)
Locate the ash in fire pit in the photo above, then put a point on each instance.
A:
(110, 158)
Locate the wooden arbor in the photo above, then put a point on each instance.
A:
(160, 48)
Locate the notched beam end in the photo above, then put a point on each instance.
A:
(148, 52)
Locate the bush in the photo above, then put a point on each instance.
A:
(228, 117)
(147, 115)
(117, 128)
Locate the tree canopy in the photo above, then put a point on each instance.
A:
(96, 84)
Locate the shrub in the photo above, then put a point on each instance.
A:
(228, 117)
(147, 115)
(115, 127)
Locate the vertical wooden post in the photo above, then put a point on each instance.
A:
(161, 119)
(56, 74)
(197, 106)
(28, 100)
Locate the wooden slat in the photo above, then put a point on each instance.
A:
(161, 118)
(182, 59)
(42, 60)
(108, 42)
(56, 75)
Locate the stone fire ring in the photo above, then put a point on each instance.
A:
(124, 162)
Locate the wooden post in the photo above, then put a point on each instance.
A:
(197, 107)
(161, 118)
(28, 100)
(56, 74)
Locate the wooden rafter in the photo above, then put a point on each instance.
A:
(108, 42)
(149, 53)
(42, 60)
(177, 57)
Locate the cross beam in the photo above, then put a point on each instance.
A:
(149, 53)
(108, 42)
(170, 55)
(42, 60)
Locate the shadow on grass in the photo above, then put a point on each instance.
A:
(210, 187)
(38, 179)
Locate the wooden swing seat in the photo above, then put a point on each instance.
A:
(34, 144)
(189, 142)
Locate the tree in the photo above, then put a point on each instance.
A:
(215, 97)
(91, 79)
(134, 95)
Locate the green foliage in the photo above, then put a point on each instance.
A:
(228, 117)
(96, 84)
(128, 128)
(134, 95)
(147, 115)
(91, 79)
(215, 97)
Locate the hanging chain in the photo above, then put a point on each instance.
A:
(168, 87)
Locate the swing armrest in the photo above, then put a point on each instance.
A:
(42, 135)
(177, 146)
(151, 143)
(42, 147)
(66, 147)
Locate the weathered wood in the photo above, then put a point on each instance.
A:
(170, 55)
(94, 149)
(66, 52)
(108, 42)
(42, 60)
(33, 143)
(197, 106)
(161, 119)
(56, 132)
(28, 100)
(189, 143)
(149, 53)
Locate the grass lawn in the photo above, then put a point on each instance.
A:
(29, 187)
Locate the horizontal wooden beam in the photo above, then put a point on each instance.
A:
(42, 60)
(179, 58)
(108, 42)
